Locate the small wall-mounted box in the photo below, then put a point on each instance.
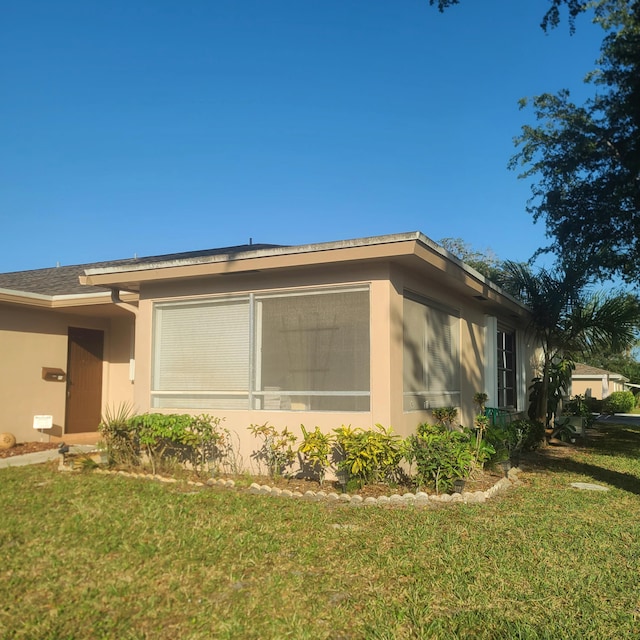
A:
(52, 374)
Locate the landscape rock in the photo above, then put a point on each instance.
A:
(589, 486)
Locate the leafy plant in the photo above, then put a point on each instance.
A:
(119, 438)
(445, 415)
(161, 436)
(277, 448)
(481, 423)
(579, 407)
(480, 398)
(558, 380)
(619, 402)
(211, 446)
(368, 455)
(564, 430)
(486, 446)
(440, 455)
(316, 448)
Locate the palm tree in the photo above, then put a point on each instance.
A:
(568, 321)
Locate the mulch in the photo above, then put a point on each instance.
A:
(481, 480)
(27, 447)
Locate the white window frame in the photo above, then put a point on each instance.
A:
(256, 396)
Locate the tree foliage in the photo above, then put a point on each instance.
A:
(586, 158)
(623, 362)
(550, 19)
(485, 262)
(568, 320)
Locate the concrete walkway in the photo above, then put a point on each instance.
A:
(42, 456)
(632, 419)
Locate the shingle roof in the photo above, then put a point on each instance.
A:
(587, 370)
(55, 281)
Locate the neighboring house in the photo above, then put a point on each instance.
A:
(596, 383)
(372, 330)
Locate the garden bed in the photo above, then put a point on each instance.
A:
(23, 448)
(481, 481)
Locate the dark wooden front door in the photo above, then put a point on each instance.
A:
(84, 380)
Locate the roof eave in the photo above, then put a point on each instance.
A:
(378, 247)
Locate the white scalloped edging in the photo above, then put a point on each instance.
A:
(418, 499)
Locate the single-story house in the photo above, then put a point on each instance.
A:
(376, 330)
(596, 383)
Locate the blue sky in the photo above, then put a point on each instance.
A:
(156, 126)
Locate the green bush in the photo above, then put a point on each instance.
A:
(619, 402)
(524, 435)
(367, 455)
(277, 450)
(169, 438)
(440, 455)
(119, 438)
(164, 438)
(315, 449)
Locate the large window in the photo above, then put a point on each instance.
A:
(298, 350)
(431, 365)
(506, 368)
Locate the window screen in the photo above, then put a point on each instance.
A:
(293, 351)
(313, 350)
(431, 364)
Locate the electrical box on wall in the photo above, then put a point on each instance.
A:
(53, 374)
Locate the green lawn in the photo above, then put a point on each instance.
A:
(92, 556)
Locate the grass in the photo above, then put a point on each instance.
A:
(90, 556)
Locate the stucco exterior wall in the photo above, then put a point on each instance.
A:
(31, 339)
(387, 283)
(599, 387)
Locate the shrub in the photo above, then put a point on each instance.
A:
(119, 437)
(211, 448)
(315, 448)
(164, 438)
(368, 455)
(594, 405)
(440, 455)
(277, 448)
(529, 433)
(160, 435)
(619, 402)
(445, 415)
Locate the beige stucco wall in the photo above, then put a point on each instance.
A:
(387, 283)
(598, 387)
(34, 338)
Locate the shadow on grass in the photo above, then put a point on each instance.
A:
(615, 439)
(625, 481)
(611, 440)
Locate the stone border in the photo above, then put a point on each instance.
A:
(419, 498)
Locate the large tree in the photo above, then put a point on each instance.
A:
(586, 158)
